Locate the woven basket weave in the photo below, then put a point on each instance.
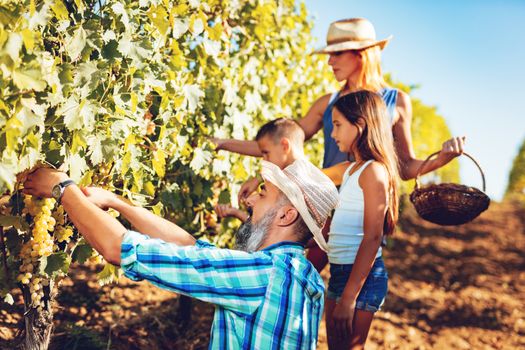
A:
(448, 203)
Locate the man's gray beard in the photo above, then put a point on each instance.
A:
(250, 236)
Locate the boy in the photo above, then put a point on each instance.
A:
(281, 143)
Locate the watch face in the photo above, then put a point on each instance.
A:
(56, 191)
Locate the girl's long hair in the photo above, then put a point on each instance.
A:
(371, 76)
(366, 110)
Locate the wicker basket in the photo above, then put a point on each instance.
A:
(449, 204)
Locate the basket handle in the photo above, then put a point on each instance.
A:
(436, 153)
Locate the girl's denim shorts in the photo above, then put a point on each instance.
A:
(373, 293)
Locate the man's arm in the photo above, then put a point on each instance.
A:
(142, 219)
(230, 278)
(103, 232)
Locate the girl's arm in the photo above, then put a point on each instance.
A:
(374, 182)
(409, 165)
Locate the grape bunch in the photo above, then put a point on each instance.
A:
(62, 232)
(39, 244)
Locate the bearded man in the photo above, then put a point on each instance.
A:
(267, 294)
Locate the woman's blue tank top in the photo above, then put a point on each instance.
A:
(332, 155)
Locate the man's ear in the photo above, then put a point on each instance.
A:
(287, 215)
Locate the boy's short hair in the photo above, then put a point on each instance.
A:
(282, 127)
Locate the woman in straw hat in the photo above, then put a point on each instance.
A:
(355, 58)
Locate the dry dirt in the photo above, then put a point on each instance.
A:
(450, 288)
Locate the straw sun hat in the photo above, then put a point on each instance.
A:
(310, 191)
(351, 34)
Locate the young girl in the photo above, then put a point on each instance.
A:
(368, 210)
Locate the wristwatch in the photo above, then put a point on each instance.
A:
(58, 190)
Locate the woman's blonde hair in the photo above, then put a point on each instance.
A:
(366, 110)
(371, 76)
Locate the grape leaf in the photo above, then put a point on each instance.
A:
(82, 253)
(55, 264)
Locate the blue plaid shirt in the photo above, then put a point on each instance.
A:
(270, 299)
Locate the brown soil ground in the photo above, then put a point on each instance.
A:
(450, 288)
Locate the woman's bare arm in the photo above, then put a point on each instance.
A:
(408, 163)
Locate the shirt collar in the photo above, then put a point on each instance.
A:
(285, 247)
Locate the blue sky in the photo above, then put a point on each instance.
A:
(468, 57)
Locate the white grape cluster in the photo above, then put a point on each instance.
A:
(40, 244)
(62, 232)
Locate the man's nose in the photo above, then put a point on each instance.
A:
(250, 201)
(331, 59)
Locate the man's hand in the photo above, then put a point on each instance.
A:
(100, 197)
(247, 189)
(40, 183)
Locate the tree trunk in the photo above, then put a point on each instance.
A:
(38, 322)
(38, 328)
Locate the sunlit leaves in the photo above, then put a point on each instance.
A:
(200, 159)
(192, 95)
(76, 43)
(159, 162)
(78, 113)
(28, 79)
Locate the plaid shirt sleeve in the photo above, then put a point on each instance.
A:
(232, 279)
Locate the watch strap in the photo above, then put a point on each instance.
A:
(63, 186)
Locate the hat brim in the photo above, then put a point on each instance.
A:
(353, 45)
(271, 173)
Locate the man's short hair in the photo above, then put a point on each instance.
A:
(282, 127)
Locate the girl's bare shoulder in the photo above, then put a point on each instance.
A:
(374, 174)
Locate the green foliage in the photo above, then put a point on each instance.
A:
(141, 85)
(516, 185)
(55, 264)
(82, 252)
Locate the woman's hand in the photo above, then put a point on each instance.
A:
(100, 197)
(451, 149)
(342, 318)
